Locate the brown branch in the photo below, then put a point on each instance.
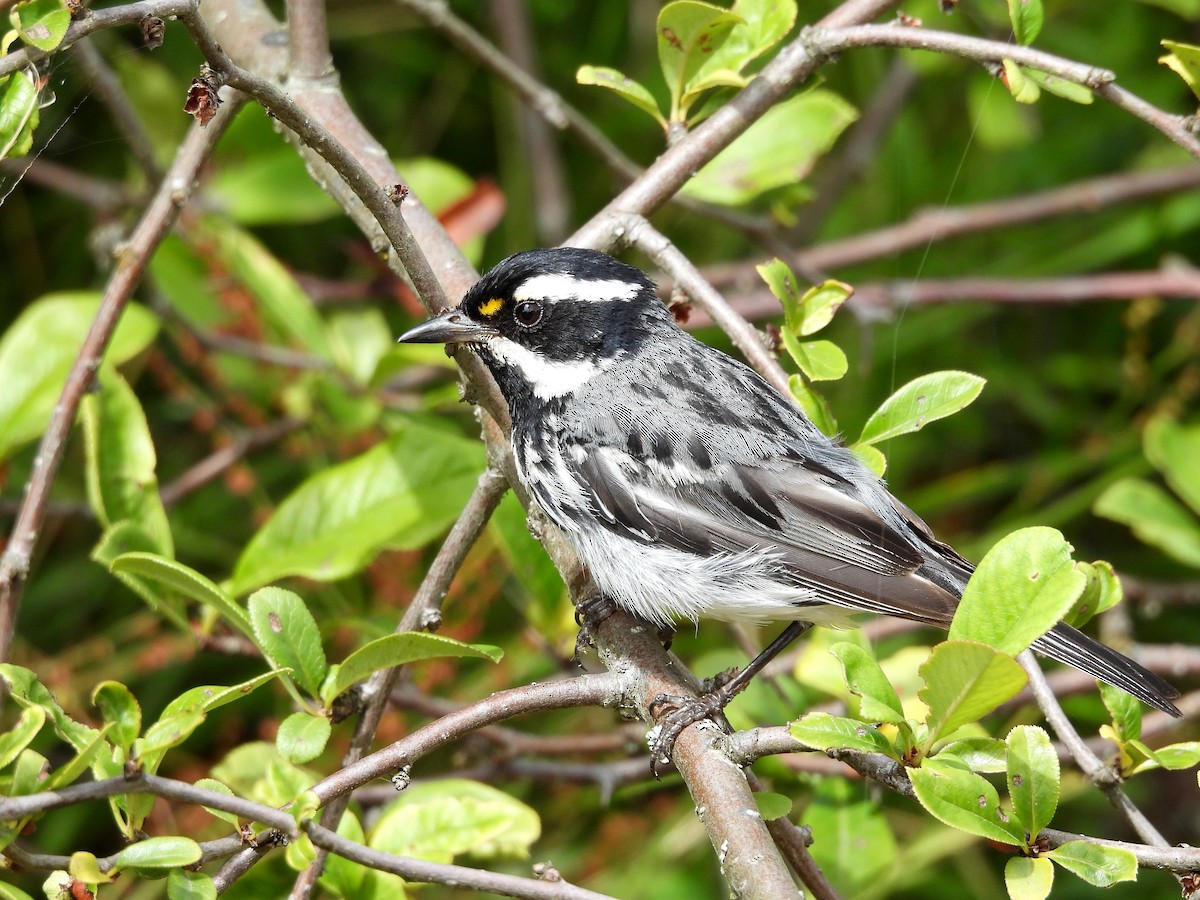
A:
(97, 20)
(99, 193)
(308, 40)
(156, 221)
(219, 461)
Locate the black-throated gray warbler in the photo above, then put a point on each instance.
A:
(688, 486)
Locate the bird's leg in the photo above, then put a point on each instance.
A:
(724, 687)
(589, 613)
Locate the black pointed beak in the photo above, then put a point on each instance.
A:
(451, 327)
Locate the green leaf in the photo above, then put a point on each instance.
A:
(121, 460)
(130, 537)
(1033, 777)
(19, 736)
(38, 349)
(877, 698)
(283, 300)
(764, 23)
(965, 681)
(1154, 516)
(119, 708)
(343, 878)
(1026, 17)
(1173, 449)
(11, 892)
(819, 360)
(1184, 61)
(965, 801)
(979, 754)
(1183, 755)
(437, 820)
(207, 697)
(178, 578)
(1023, 586)
(1068, 90)
(818, 305)
(820, 730)
(288, 636)
(815, 406)
(27, 691)
(359, 339)
(185, 885)
(1101, 592)
(1023, 90)
(303, 736)
(1126, 712)
(771, 805)
(168, 732)
(779, 149)
(398, 494)
(1095, 863)
(923, 400)
(1028, 878)
(689, 32)
(397, 649)
(71, 770)
(86, 868)
(622, 85)
(158, 853)
(41, 23)
(219, 787)
(19, 113)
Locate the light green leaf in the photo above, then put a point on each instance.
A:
(288, 636)
(821, 731)
(19, 736)
(1154, 516)
(302, 736)
(37, 351)
(764, 23)
(818, 305)
(121, 460)
(1102, 591)
(1173, 449)
(819, 360)
(1033, 777)
(359, 339)
(877, 698)
(158, 853)
(779, 149)
(872, 457)
(1068, 90)
(1028, 878)
(120, 709)
(1023, 90)
(437, 820)
(207, 697)
(814, 404)
(1184, 61)
(979, 754)
(41, 23)
(25, 689)
(965, 681)
(1095, 863)
(965, 801)
(185, 885)
(1126, 712)
(1183, 755)
(219, 787)
(168, 732)
(923, 400)
(398, 494)
(19, 113)
(624, 86)
(130, 537)
(178, 578)
(86, 868)
(688, 33)
(1023, 586)
(397, 649)
(12, 892)
(1026, 17)
(344, 878)
(771, 805)
(852, 842)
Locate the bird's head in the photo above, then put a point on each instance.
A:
(547, 321)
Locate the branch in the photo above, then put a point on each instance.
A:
(100, 194)
(222, 459)
(156, 221)
(824, 42)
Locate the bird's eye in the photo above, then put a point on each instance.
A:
(528, 313)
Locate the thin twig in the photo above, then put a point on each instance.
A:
(101, 194)
(103, 82)
(160, 214)
(222, 459)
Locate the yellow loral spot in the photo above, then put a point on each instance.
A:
(491, 307)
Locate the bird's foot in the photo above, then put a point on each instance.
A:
(589, 613)
(685, 711)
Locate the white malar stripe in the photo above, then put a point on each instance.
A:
(547, 378)
(567, 287)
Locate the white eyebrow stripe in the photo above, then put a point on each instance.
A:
(567, 287)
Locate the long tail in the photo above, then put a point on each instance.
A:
(1073, 647)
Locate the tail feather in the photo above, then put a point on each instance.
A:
(1073, 647)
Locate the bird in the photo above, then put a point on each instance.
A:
(691, 488)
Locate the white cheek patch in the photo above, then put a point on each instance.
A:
(567, 287)
(547, 378)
